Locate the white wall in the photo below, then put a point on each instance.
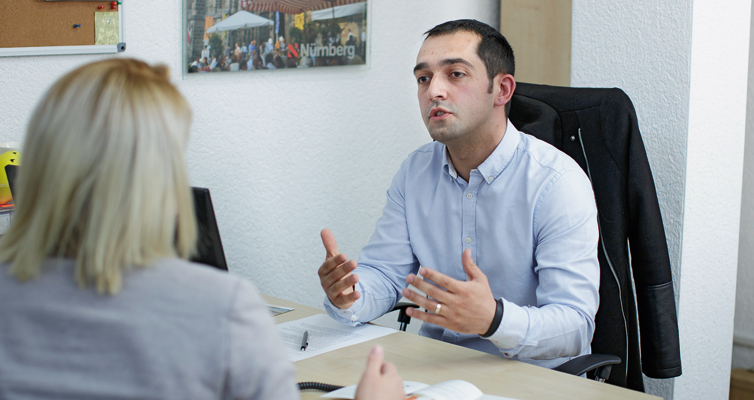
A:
(684, 66)
(743, 339)
(285, 153)
(720, 45)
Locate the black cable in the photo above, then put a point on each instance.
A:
(322, 387)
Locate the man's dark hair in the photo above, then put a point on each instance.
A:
(494, 50)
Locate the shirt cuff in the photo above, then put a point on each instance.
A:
(348, 316)
(512, 331)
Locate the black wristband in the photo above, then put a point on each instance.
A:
(495, 321)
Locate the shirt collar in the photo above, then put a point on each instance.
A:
(447, 164)
(497, 161)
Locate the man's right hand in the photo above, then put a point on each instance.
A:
(335, 274)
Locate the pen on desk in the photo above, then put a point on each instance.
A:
(304, 341)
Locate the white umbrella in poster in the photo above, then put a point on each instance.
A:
(340, 11)
(240, 20)
(293, 6)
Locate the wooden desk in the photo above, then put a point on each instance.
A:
(431, 361)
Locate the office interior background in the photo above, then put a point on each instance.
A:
(288, 153)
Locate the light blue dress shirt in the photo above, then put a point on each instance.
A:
(529, 217)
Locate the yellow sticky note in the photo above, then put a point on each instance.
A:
(106, 29)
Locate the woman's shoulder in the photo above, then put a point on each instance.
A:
(190, 283)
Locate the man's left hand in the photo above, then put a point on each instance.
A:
(465, 306)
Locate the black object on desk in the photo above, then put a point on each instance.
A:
(10, 173)
(209, 247)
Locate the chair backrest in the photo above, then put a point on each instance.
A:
(599, 130)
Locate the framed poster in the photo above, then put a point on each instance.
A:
(252, 35)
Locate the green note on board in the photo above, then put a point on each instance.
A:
(106, 30)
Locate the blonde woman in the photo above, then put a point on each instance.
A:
(96, 298)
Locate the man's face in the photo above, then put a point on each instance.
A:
(453, 87)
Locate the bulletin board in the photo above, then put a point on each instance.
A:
(48, 27)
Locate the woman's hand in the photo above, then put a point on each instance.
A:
(380, 380)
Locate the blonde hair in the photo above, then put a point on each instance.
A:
(103, 179)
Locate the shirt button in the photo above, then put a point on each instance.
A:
(469, 195)
(468, 240)
(489, 179)
(354, 318)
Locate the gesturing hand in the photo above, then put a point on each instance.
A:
(335, 274)
(380, 380)
(465, 307)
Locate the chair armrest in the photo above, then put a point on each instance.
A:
(403, 318)
(588, 362)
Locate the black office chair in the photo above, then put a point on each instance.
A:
(598, 128)
(403, 318)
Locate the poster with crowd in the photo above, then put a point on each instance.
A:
(250, 35)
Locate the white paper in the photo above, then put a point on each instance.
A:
(448, 390)
(325, 334)
(349, 392)
(277, 310)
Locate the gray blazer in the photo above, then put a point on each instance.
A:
(176, 330)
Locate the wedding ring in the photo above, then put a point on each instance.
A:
(437, 309)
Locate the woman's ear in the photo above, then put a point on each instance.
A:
(506, 85)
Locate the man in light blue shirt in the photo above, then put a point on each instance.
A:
(503, 224)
